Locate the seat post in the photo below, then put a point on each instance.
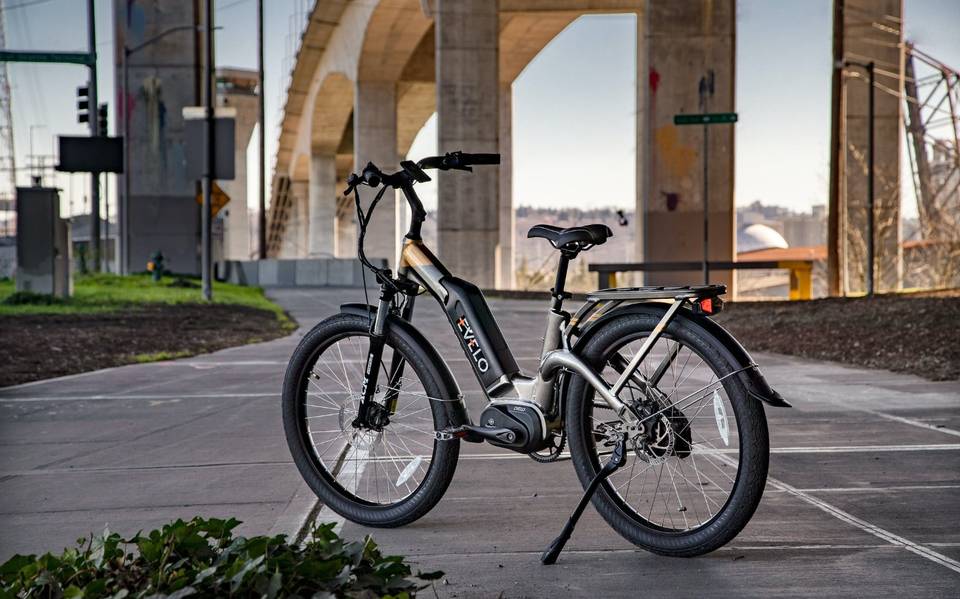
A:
(557, 293)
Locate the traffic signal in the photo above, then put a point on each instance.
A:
(83, 104)
(102, 119)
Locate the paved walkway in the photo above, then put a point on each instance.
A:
(864, 496)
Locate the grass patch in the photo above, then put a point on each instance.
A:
(109, 293)
(160, 356)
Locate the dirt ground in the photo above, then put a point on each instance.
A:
(903, 333)
(43, 346)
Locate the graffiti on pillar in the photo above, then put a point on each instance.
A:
(156, 113)
(654, 80)
(676, 160)
(672, 198)
(131, 36)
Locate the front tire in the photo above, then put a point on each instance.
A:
(380, 478)
(695, 477)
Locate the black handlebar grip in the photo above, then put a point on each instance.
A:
(431, 162)
(481, 158)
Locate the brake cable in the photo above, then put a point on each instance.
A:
(363, 220)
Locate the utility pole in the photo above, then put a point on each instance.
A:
(8, 154)
(871, 67)
(123, 203)
(835, 230)
(262, 218)
(706, 92)
(209, 155)
(94, 132)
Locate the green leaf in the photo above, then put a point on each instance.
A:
(184, 592)
(205, 574)
(73, 592)
(13, 565)
(276, 583)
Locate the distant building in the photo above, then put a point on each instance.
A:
(238, 88)
(759, 237)
(775, 233)
(797, 228)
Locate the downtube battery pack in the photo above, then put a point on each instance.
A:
(479, 334)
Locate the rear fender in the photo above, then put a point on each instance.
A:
(757, 386)
(454, 413)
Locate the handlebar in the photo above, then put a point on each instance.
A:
(373, 177)
(404, 180)
(458, 161)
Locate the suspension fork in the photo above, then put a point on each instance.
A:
(397, 363)
(371, 372)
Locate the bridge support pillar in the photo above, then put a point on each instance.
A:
(506, 278)
(882, 45)
(295, 241)
(467, 37)
(679, 44)
(375, 140)
(322, 205)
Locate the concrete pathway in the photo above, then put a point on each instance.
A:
(864, 496)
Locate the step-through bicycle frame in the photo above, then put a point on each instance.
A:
(484, 347)
(493, 362)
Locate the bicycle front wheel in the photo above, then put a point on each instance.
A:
(384, 477)
(696, 470)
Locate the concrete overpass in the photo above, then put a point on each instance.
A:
(369, 74)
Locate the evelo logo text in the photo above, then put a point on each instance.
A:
(470, 341)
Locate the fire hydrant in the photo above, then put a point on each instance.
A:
(155, 265)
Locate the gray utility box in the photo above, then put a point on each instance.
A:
(43, 243)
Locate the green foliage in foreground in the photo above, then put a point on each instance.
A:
(202, 558)
(107, 293)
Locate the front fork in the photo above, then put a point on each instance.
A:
(370, 414)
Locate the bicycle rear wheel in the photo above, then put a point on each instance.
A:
(696, 473)
(382, 477)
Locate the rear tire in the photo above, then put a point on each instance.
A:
(379, 467)
(688, 525)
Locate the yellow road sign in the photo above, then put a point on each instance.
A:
(218, 199)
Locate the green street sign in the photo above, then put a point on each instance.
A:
(57, 57)
(714, 118)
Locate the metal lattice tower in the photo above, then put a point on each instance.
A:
(8, 160)
(932, 122)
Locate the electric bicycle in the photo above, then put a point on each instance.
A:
(661, 407)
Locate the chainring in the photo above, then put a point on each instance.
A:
(551, 453)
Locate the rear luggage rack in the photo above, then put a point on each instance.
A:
(693, 292)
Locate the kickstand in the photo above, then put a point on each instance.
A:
(617, 459)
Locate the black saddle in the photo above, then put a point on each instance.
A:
(583, 237)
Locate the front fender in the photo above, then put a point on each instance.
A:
(454, 412)
(757, 386)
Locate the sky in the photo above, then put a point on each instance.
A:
(574, 108)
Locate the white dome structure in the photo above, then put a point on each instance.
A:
(759, 237)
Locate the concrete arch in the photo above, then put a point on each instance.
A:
(394, 31)
(392, 53)
(332, 108)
